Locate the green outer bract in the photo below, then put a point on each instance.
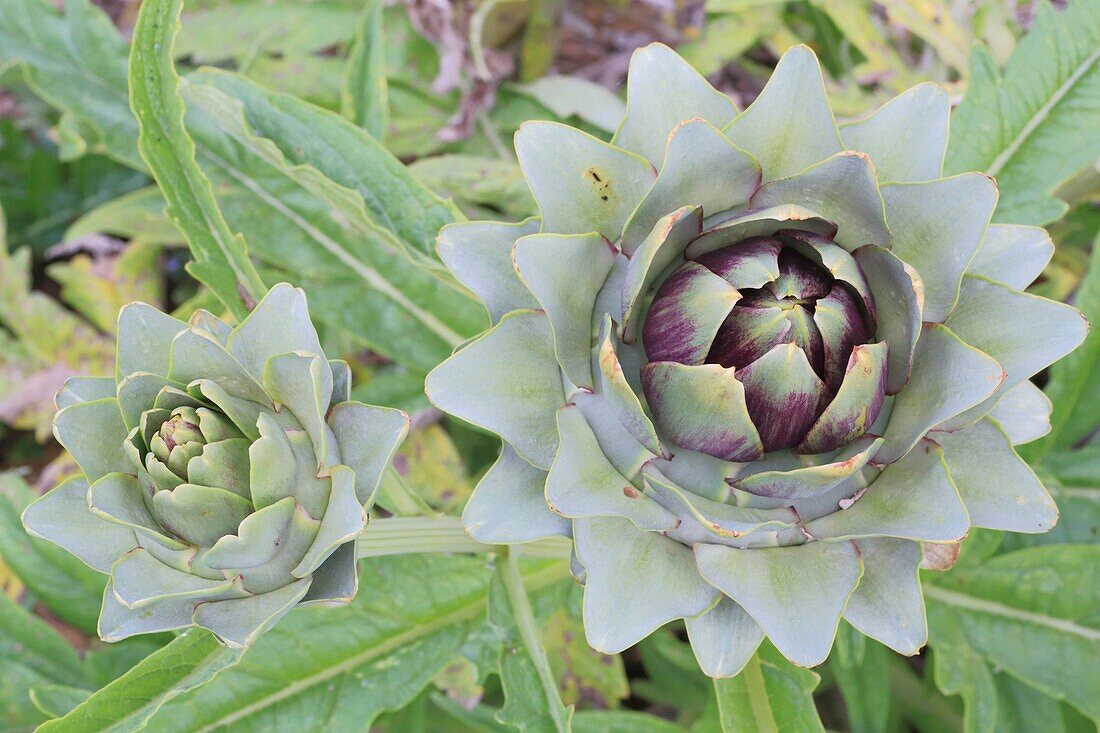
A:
(741, 540)
(226, 473)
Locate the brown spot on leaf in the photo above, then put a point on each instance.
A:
(939, 556)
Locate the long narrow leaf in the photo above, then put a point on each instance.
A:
(220, 256)
(364, 97)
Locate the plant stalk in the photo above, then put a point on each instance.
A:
(528, 631)
(407, 535)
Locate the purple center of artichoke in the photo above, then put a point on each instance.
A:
(787, 328)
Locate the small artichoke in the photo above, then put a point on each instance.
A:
(752, 361)
(226, 474)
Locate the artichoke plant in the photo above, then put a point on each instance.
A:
(754, 362)
(226, 474)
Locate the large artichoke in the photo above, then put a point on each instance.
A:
(751, 361)
(226, 472)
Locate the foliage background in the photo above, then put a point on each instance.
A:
(302, 115)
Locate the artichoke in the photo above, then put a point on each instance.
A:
(226, 474)
(754, 363)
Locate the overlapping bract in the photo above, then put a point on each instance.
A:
(757, 442)
(226, 474)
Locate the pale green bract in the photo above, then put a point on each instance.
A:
(753, 362)
(226, 473)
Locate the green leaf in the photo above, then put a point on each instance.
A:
(77, 62)
(314, 139)
(1079, 509)
(672, 674)
(532, 701)
(861, 665)
(31, 654)
(363, 96)
(960, 670)
(604, 721)
(317, 232)
(568, 96)
(1032, 613)
(1074, 387)
(479, 181)
(585, 677)
(57, 700)
(69, 588)
(1033, 128)
(128, 703)
(918, 702)
(856, 21)
(243, 31)
(770, 695)
(42, 192)
(220, 256)
(138, 215)
(442, 481)
(338, 668)
(1022, 709)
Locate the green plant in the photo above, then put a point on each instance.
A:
(192, 154)
(751, 361)
(226, 473)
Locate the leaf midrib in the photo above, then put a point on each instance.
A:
(995, 608)
(538, 579)
(368, 275)
(758, 697)
(1041, 114)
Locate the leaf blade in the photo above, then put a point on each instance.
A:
(220, 256)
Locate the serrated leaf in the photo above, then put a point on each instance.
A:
(313, 139)
(48, 344)
(336, 669)
(299, 233)
(960, 670)
(856, 21)
(1032, 613)
(357, 273)
(220, 255)
(1034, 127)
(127, 704)
(932, 22)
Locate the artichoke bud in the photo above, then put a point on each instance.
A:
(181, 428)
(191, 472)
(751, 362)
(791, 319)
